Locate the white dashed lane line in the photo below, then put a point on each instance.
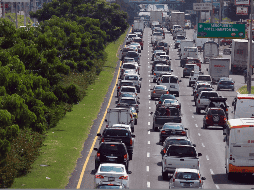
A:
(199, 134)
(148, 154)
(196, 125)
(193, 116)
(148, 132)
(211, 171)
(148, 123)
(207, 157)
(148, 184)
(147, 168)
(148, 142)
(203, 145)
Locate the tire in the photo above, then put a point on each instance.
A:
(197, 110)
(127, 167)
(189, 84)
(130, 156)
(135, 122)
(152, 98)
(183, 76)
(177, 94)
(154, 80)
(231, 176)
(164, 175)
(138, 90)
(96, 165)
(233, 89)
(218, 89)
(132, 129)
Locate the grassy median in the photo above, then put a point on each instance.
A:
(243, 90)
(64, 143)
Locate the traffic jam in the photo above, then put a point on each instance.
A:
(179, 156)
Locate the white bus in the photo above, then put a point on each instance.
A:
(244, 106)
(239, 149)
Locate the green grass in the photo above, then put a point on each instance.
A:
(243, 90)
(64, 143)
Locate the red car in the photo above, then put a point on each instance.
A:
(215, 117)
(196, 61)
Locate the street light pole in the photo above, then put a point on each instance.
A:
(249, 71)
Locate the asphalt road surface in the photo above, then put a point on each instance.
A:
(146, 163)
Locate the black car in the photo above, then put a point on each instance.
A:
(112, 152)
(182, 140)
(118, 135)
(172, 129)
(219, 102)
(187, 69)
(215, 117)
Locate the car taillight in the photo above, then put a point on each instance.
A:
(167, 92)
(125, 156)
(154, 92)
(226, 109)
(232, 83)
(106, 126)
(159, 102)
(224, 118)
(118, 87)
(197, 95)
(163, 132)
(154, 74)
(206, 117)
(231, 157)
(131, 142)
(177, 106)
(183, 133)
(220, 83)
(98, 154)
(102, 140)
(173, 180)
(99, 177)
(124, 177)
(199, 101)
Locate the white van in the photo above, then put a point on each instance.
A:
(244, 106)
(171, 82)
(239, 149)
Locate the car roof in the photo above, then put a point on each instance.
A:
(128, 98)
(128, 87)
(122, 81)
(178, 137)
(111, 164)
(187, 170)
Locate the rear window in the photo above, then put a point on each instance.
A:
(190, 49)
(204, 78)
(226, 82)
(111, 169)
(177, 127)
(132, 35)
(129, 66)
(127, 84)
(157, 34)
(173, 80)
(160, 88)
(180, 37)
(131, 78)
(112, 149)
(116, 133)
(187, 176)
(128, 90)
(167, 112)
(137, 40)
(128, 101)
(216, 111)
(189, 66)
(132, 54)
(180, 141)
(161, 68)
(207, 95)
(181, 151)
(168, 96)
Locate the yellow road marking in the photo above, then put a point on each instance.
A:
(94, 141)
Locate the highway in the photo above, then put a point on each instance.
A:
(146, 163)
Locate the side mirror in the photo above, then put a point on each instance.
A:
(206, 69)
(133, 136)
(194, 145)
(186, 128)
(116, 84)
(224, 139)
(98, 134)
(180, 80)
(106, 120)
(151, 113)
(129, 172)
(96, 149)
(199, 154)
(138, 102)
(203, 178)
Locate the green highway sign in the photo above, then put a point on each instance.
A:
(220, 30)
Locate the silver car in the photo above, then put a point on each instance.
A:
(158, 90)
(186, 178)
(128, 102)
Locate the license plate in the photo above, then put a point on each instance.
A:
(112, 159)
(186, 184)
(172, 86)
(111, 178)
(215, 124)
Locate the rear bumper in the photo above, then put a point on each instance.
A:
(240, 169)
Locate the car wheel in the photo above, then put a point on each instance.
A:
(96, 165)
(218, 89)
(164, 175)
(138, 90)
(135, 122)
(130, 156)
(154, 80)
(197, 110)
(152, 98)
(231, 176)
(189, 84)
(183, 76)
(132, 129)
(177, 94)
(233, 89)
(195, 102)
(127, 166)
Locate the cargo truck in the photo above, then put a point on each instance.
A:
(156, 16)
(138, 26)
(239, 55)
(177, 18)
(219, 67)
(211, 50)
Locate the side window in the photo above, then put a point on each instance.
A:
(227, 135)
(173, 80)
(165, 80)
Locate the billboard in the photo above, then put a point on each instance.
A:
(242, 10)
(242, 2)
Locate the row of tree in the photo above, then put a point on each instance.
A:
(34, 63)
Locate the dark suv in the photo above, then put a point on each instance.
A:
(112, 152)
(118, 135)
(187, 69)
(215, 117)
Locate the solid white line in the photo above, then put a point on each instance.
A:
(207, 157)
(148, 132)
(203, 145)
(149, 102)
(149, 108)
(148, 142)
(148, 90)
(149, 84)
(193, 116)
(196, 125)
(198, 134)
(148, 184)
(148, 154)
(211, 171)
(149, 96)
(217, 186)
(148, 123)
(147, 168)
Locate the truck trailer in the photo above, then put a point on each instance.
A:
(219, 67)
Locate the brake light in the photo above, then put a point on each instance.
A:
(232, 83)
(199, 101)
(98, 154)
(125, 156)
(118, 87)
(224, 118)
(220, 83)
(154, 92)
(159, 102)
(173, 179)
(106, 126)
(183, 133)
(131, 142)
(102, 140)
(167, 92)
(154, 74)
(177, 106)
(99, 177)
(206, 117)
(163, 132)
(124, 177)
(226, 109)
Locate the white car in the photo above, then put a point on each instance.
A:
(111, 172)
(137, 45)
(186, 178)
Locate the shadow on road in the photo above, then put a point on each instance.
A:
(239, 179)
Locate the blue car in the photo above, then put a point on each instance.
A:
(226, 83)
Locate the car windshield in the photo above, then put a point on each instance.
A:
(131, 78)
(181, 151)
(161, 68)
(111, 169)
(128, 90)
(127, 101)
(168, 96)
(178, 141)
(129, 66)
(160, 88)
(187, 176)
(189, 66)
(190, 49)
(137, 40)
(157, 34)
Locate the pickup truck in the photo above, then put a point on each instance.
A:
(179, 156)
(165, 114)
(118, 135)
(203, 100)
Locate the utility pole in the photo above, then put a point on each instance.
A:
(212, 12)
(249, 65)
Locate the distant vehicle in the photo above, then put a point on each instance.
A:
(218, 67)
(226, 83)
(244, 106)
(214, 117)
(211, 50)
